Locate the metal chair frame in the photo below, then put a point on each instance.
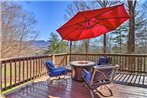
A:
(103, 80)
(50, 81)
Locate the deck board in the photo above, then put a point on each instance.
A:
(74, 89)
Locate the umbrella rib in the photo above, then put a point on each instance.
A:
(113, 18)
(95, 16)
(98, 22)
(81, 25)
(70, 32)
(78, 34)
(102, 25)
(86, 20)
(88, 24)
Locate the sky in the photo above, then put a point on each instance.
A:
(49, 15)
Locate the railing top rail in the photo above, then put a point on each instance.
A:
(22, 58)
(142, 55)
(101, 54)
(60, 54)
(29, 57)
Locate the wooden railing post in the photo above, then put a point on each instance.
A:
(1, 96)
(0, 79)
(68, 59)
(53, 59)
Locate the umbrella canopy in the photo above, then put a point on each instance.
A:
(93, 23)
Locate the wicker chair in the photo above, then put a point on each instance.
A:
(98, 77)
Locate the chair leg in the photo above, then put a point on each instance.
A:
(48, 81)
(90, 90)
(110, 91)
(65, 79)
(91, 93)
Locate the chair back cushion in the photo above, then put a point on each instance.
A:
(50, 65)
(104, 60)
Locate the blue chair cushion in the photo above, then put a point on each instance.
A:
(87, 76)
(50, 65)
(58, 72)
(103, 60)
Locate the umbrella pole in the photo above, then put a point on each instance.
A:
(70, 50)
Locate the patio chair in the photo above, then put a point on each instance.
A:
(104, 60)
(55, 72)
(98, 77)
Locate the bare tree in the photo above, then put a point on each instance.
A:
(17, 28)
(141, 28)
(104, 3)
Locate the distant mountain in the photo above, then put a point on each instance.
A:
(40, 44)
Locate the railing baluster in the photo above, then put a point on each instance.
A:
(144, 63)
(33, 68)
(15, 71)
(115, 60)
(137, 59)
(30, 68)
(39, 66)
(5, 75)
(23, 69)
(19, 70)
(10, 73)
(27, 68)
(140, 64)
(125, 62)
(42, 64)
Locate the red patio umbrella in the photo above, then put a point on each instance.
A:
(93, 23)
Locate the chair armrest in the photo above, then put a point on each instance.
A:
(68, 67)
(62, 66)
(86, 75)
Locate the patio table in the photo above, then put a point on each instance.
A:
(77, 69)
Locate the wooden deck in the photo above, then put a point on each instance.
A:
(132, 79)
(74, 89)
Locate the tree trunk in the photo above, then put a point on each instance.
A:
(104, 3)
(131, 36)
(86, 44)
(104, 44)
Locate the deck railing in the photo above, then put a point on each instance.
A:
(16, 71)
(135, 63)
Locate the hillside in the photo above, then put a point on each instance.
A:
(39, 44)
